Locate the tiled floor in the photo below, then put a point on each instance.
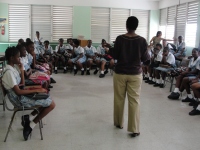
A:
(83, 120)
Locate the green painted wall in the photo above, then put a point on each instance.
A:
(4, 13)
(81, 21)
(153, 23)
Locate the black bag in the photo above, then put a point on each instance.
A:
(38, 96)
(173, 46)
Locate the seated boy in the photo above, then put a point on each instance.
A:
(167, 64)
(91, 54)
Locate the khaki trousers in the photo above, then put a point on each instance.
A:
(130, 85)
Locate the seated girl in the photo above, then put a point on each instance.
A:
(91, 54)
(185, 76)
(47, 52)
(59, 55)
(180, 53)
(38, 41)
(14, 76)
(79, 59)
(104, 50)
(167, 64)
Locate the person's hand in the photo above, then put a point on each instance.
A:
(184, 73)
(42, 90)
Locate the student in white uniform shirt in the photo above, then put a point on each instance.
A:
(59, 55)
(79, 59)
(91, 54)
(69, 50)
(38, 41)
(180, 48)
(167, 64)
(166, 44)
(13, 76)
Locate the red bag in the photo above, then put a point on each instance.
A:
(39, 77)
(108, 57)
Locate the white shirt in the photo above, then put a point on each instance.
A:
(48, 49)
(62, 49)
(91, 48)
(170, 59)
(9, 77)
(99, 48)
(181, 44)
(159, 56)
(79, 50)
(69, 47)
(36, 41)
(24, 61)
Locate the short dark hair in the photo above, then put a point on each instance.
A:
(37, 32)
(76, 42)
(10, 52)
(132, 23)
(159, 45)
(29, 43)
(46, 41)
(19, 47)
(159, 32)
(103, 40)
(61, 39)
(180, 36)
(195, 49)
(20, 41)
(28, 40)
(166, 49)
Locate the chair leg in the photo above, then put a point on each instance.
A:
(172, 81)
(4, 106)
(40, 126)
(10, 125)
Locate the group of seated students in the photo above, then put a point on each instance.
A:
(74, 56)
(163, 62)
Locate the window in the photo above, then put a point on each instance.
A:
(143, 27)
(41, 21)
(118, 22)
(62, 22)
(171, 14)
(163, 21)
(191, 26)
(100, 24)
(18, 22)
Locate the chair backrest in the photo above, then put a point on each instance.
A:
(185, 62)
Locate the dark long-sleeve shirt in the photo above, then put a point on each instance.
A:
(130, 52)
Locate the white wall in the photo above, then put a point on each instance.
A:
(131, 4)
(168, 3)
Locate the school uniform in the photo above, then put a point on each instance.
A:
(62, 51)
(47, 51)
(11, 78)
(102, 51)
(180, 46)
(194, 64)
(90, 51)
(78, 51)
(24, 61)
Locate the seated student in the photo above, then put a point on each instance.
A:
(38, 41)
(14, 76)
(48, 52)
(155, 62)
(59, 55)
(79, 59)
(102, 50)
(20, 41)
(180, 48)
(69, 50)
(167, 64)
(169, 45)
(91, 54)
(190, 73)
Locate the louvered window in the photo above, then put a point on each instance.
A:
(143, 27)
(118, 22)
(171, 14)
(62, 22)
(163, 21)
(41, 21)
(18, 22)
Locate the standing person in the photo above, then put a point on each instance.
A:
(38, 41)
(130, 51)
(157, 39)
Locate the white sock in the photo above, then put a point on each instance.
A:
(55, 68)
(190, 96)
(65, 68)
(88, 68)
(176, 90)
(31, 117)
(153, 80)
(158, 81)
(51, 76)
(198, 107)
(102, 72)
(150, 78)
(97, 68)
(32, 124)
(82, 69)
(74, 67)
(146, 75)
(162, 81)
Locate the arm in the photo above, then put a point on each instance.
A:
(152, 40)
(116, 51)
(18, 91)
(80, 56)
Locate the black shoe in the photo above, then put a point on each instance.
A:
(50, 86)
(194, 112)
(27, 131)
(145, 78)
(106, 72)
(65, 71)
(56, 71)
(82, 72)
(75, 71)
(95, 72)
(162, 86)
(174, 95)
(156, 85)
(101, 75)
(147, 81)
(52, 80)
(194, 104)
(187, 99)
(88, 72)
(25, 120)
(152, 82)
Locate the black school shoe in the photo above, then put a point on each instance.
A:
(187, 99)
(75, 71)
(56, 71)
(52, 80)
(25, 120)
(101, 75)
(194, 112)
(50, 86)
(95, 72)
(106, 72)
(174, 95)
(162, 85)
(156, 85)
(147, 81)
(82, 72)
(88, 72)
(151, 82)
(65, 71)
(27, 131)
(145, 78)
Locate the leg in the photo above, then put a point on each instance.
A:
(133, 92)
(119, 82)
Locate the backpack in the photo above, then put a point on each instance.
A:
(173, 46)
